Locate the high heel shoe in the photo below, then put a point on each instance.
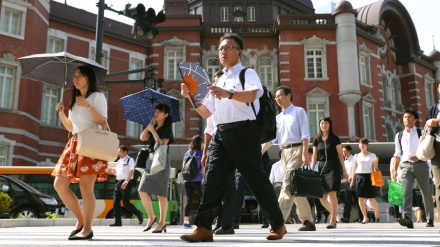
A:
(74, 232)
(331, 226)
(164, 229)
(147, 228)
(90, 236)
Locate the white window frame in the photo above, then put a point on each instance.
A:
(224, 14)
(19, 7)
(133, 129)
(7, 94)
(250, 13)
(368, 117)
(317, 96)
(265, 72)
(429, 90)
(4, 154)
(9, 149)
(52, 43)
(49, 115)
(364, 65)
(105, 61)
(211, 67)
(136, 63)
(171, 60)
(315, 44)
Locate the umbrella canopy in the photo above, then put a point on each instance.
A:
(57, 68)
(197, 80)
(139, 107)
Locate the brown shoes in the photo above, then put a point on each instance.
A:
(277, 234)
(307, 226)
(201, 234)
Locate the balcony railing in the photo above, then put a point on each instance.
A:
(239, 27)
(317, 19)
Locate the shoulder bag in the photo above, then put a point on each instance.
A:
(305, 183)
(425, 150)
(98, 144)
(159, 158)
(142, 156)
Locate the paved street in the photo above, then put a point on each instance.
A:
(353, 234)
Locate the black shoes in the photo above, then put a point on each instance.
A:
(345, 220)
(115, 224)
(141, 219)
(406, 222)
(74, 232)
(147, 228)
(331, 226)
(218, 224)
(430, 223)
(90, 236)
(164, 229)
(235, 225)
(222, 231)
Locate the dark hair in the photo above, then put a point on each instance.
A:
(233, 36)
(364, 141)
(330, 130)
(412, 112)
(348, 147)
(218, 73)
(310, 150)
(123, 148)
(286, 91)
(196, 143)
(88, 72)
(165, 109)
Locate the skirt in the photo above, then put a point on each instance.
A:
(364, 188)
(74, 166)
(156, 184)
(331, 180)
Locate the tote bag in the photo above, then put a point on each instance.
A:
(395, 193)
(141, 158)
(425, 150)
(376, 178)
(98, 144)
(159, 158)
(305, 183)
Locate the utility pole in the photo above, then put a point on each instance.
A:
(99, 30)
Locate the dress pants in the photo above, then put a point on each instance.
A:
(124, 195)
(240, 189)
(236, 148)
(350, 200)
(419, 171)
(225, 211)
(291, 159)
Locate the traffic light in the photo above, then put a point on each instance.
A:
(145, 21)
(150, 79)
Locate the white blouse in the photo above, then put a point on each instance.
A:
(82, 119)
(365, 163)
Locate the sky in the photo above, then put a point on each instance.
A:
(422, 12)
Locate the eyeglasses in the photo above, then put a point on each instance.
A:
(227, 48)
(279, 96)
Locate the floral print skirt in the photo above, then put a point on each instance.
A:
(74, 166)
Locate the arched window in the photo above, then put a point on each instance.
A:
(213, 65)
(385, 91)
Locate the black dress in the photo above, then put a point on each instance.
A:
(329, 165)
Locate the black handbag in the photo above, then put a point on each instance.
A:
(142, 156)
(305, 183)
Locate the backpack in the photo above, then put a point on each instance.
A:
(191, 167)
(400, 134)
(266, 117)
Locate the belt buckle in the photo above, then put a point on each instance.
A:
(220, 127)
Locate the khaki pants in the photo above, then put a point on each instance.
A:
(292, 159)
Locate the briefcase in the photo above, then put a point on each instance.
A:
(305, 183)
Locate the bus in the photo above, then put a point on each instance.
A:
(39, 177)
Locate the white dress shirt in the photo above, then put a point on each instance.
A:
(276, 173)
(123, 167)
(292, 126)
(229, 110)
(210, 127)
(349, 164)
(410, 142)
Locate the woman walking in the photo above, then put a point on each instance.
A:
(364, 163)
(327, 149)
(158, 132)
(87, 107)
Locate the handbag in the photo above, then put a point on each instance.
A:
(159, 158)
(98, 144)
(142, 156)
(305, 183)
(376, 178)
(395, 193)
(425, 150)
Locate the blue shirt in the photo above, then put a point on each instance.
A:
(292, 126)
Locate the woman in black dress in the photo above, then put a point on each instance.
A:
(327, 149)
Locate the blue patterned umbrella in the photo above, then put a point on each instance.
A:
(139, 107)
(197, 80)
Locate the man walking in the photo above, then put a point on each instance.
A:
(349, 192)
(235, 144)
(293, 138)
(406, 143)
(124, 183)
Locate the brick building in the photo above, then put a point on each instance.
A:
(361, 67)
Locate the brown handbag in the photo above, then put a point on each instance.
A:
(376, 179)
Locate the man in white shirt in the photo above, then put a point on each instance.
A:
(293, 138)
(350, 192)
(124, 184)
(406, 143)
(235, 144)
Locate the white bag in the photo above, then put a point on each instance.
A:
(159, 158)
(98, 144)
(425, 150)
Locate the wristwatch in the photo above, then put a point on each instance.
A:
(231, 93)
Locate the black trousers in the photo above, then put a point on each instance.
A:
(123, 195)
(236, 148)
(350, 200)
(225, 210)
(190, 188)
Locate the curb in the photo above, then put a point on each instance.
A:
(7, 223)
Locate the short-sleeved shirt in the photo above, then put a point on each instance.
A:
(327, 153)
(123, 167)
(81, 118)
(364, 163)
(229, 110)
(164, 132)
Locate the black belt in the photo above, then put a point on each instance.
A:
(227, 126)
(407, 162)
(292, 145)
